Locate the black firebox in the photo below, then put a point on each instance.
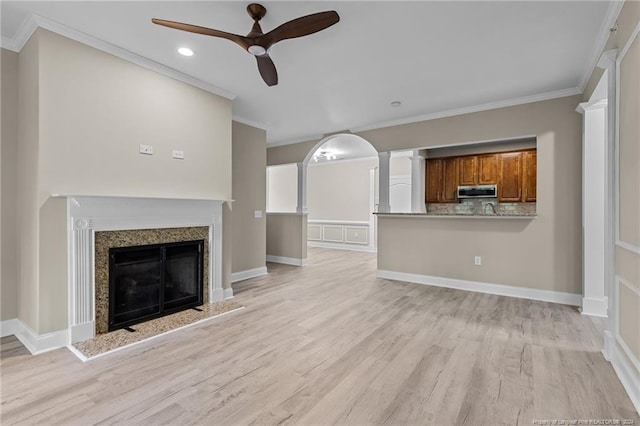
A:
(150, 281)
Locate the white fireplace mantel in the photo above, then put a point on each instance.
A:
(88, 214)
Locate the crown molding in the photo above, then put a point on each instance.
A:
(243, 120)
(22, 36)
(601, 41)
(311, 138)
(8, 44)
(475, 108)
(443, 114)
(33, 22)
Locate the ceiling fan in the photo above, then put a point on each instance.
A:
(256, 42)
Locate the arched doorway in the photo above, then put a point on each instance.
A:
(339, 193)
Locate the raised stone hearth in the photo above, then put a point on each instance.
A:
(107, 342)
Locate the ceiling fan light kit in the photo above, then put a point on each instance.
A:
(258, 43)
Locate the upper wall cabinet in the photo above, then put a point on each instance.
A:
(488, 169)
(518, 175)
(478, 169)
(442, 180)
(450, 180)
(530, 170)
(434, 180)
(513, 172)
(468, 167)
(510, 188)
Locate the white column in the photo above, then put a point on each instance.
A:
(417, 183)
(81, 297)
(383, 182)
(608, 63)
(594, 177)
(372, 208)
(302, 188)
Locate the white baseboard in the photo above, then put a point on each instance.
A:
(228, 293)
(217, 295)
(339, 246)
(629, 376)
(609, 344)
(497, 289)
(10, 327)
(82, 332)
(595, 307)
(34, 342)
(287, 260)
(249, 273)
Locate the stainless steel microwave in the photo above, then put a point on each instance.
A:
(478, 191)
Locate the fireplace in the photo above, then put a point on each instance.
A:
(150, 281)
(100, 223)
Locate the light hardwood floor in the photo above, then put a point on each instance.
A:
(331, 344)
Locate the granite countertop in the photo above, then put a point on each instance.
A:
(460, 216)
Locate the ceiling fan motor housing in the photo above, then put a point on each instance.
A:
(256, 11)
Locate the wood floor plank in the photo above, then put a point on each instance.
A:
(329, 343)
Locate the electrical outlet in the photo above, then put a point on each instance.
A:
(477, 261)
(146, 149)
(179, 155)
(257, 214)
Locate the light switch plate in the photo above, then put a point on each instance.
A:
(179, 155)
(146, 149)
(257, 214)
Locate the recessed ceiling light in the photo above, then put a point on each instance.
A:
(185, 51)
(396, 104)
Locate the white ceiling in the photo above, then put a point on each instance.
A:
(432, 56)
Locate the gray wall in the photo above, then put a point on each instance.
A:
(339, 190)
(94, 115)
(28, 164)
(287, 154)
(52, 266)
(9, 186)
(544, 254)
(249, 194)
(627, 268)
(473, 149)
(287, 235)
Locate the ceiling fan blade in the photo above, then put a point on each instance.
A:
(238, 39)
(267, 70)
(300, 27)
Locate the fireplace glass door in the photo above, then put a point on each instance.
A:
(154, 280)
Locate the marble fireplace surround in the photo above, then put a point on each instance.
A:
(105, 240)
(90, 214)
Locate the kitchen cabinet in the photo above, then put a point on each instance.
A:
(510, 177)
(468, 168)
(530, 170)
(442, 180)
(434, 180)
(478, 169)
(514, 173)
(487, 169)
(450, 180)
